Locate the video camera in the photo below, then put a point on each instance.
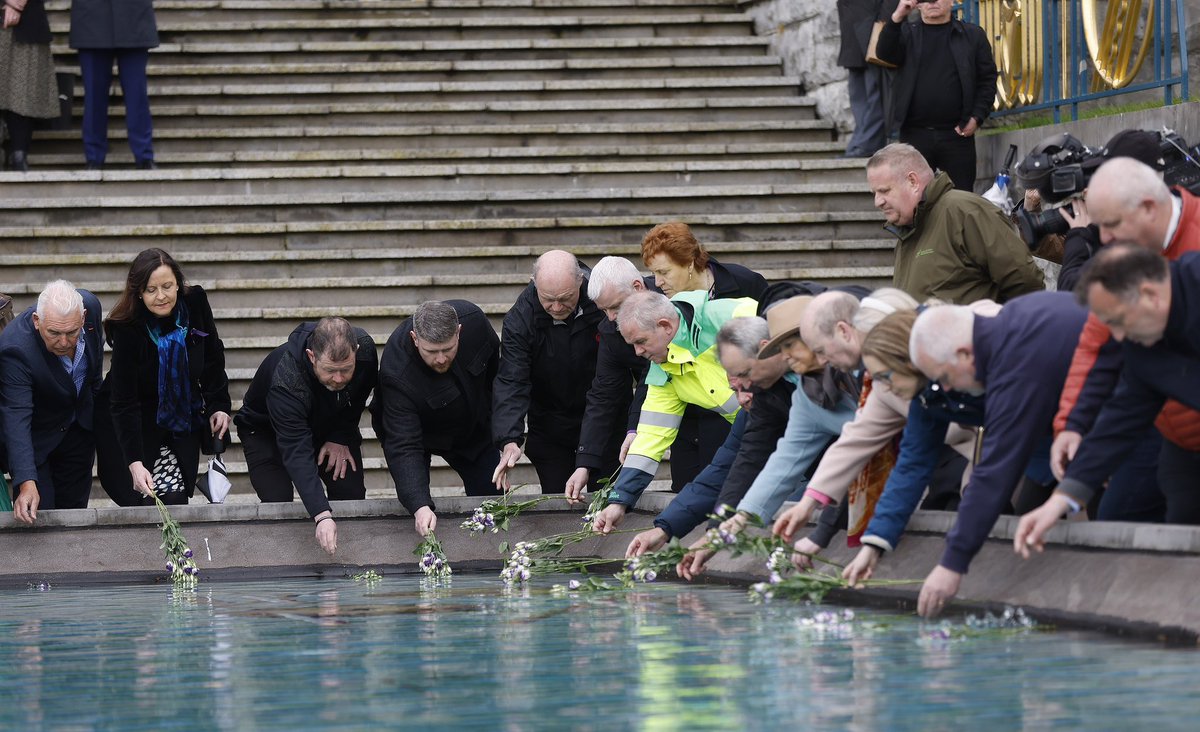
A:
(1061, 166)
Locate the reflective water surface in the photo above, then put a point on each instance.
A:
(340, 654)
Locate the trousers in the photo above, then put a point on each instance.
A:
(96, 65)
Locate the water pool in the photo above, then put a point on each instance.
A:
(346, 655)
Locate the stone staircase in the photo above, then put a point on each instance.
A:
(357, 157)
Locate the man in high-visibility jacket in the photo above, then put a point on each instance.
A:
(679, 337)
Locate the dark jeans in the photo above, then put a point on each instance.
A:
(554, 460)
(113, 471)
(865, 86)
(96, 66)
(701, 434)
(20, 131)
(945, 150)
(1132, 493)
(476, 473)
(1179, 480)
(272, 482)
(65, 478)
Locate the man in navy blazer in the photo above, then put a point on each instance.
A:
(51, 359)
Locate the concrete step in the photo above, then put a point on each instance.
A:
(475, 112)
(317, 137)
(392, 27)
(203, 265)
(449, 50)
(231, 10)
(369, 291)
(43, 161)
(199, 182)
(400, 72)
(68, 237)
(365, 91)
(374, 205)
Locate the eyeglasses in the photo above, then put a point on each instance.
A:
(884, 377)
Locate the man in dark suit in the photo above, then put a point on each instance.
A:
(434, 397)
(50, 363)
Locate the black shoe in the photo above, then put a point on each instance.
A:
(93, 165)
(17, 161)
(145, 165)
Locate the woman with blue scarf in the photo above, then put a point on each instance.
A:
(166, 390)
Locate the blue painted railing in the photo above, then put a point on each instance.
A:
(1063, 74)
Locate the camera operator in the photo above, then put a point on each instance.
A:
(1083, 238)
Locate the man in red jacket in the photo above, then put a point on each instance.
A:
(1131, 205)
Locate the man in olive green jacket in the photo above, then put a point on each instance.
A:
(953, 245)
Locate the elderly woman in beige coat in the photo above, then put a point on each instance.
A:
(881, 417)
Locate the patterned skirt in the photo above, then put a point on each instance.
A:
(27, 84)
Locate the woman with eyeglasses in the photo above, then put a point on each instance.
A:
(935, 417)
(167, 389)
(891, 384)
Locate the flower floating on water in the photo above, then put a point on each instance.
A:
(433, 560)
(180, 564)
(369, 577)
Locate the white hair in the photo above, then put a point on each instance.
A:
(880, 304)
(612, 272)
(645, 309)
(59, 298)
(1130, 181)
(746, 334)
(940, 332)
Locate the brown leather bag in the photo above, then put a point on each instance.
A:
(871, 57)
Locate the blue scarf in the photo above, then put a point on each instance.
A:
(178, 406)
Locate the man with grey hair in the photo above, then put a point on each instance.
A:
(548, 351)
(679, 338)
(769, 384)
(435, 398)
(952, 245)
(827, 328)
(616, 394)
(50, 369)
(1017, 361)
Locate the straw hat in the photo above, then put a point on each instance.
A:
(783, 322)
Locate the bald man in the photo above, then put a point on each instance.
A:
(547, 363)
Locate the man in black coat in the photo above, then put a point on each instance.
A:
(301, 410)
(864, 81)
(547, 364)
(611, 403)
(435, 397)
(50, 364)
(945, 87)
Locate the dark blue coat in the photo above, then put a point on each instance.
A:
(39, 398)
(1021, 357)
(698, 498)
(110, 24)
(1170, 369)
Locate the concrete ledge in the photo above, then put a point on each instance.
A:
(1120, 578)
